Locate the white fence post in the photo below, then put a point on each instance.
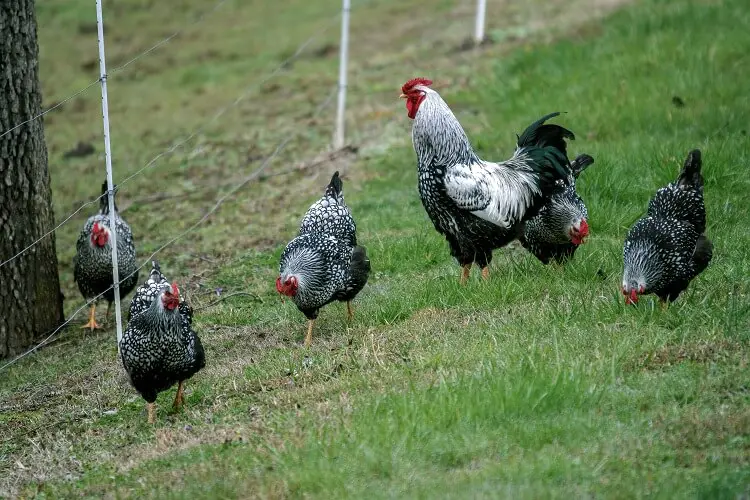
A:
(338, 138)
(479, 26)
(108, 162)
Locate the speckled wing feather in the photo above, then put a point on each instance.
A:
(330, 215)
(683, 198)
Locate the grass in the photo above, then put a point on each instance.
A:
(537, 383)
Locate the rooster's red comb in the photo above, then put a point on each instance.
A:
(414, 82)
(175, 290)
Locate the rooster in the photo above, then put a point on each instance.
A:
(561, 225)
(324, 263)
(92, 264)
(159, 347)
(480, 205)
(667, 248)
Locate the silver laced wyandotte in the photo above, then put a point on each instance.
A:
(324, 263)
(92, 264)
(667, 248)
(480, 205)
(159, 348)
(561, 226)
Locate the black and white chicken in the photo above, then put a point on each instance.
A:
(561, 226)
(324, 263)
(159, 347)
(667, 248)
(92, 264)
(480, 205)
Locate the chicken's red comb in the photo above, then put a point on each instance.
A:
(414, 82)
(175, 290)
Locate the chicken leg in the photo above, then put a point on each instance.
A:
(349, 310)
(92, 324)
(663, 304)
(178, 397)
(151, 408)
(465, 273)
(308, 337)
(486, 272)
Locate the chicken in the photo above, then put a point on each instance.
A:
(480, 205)
(562, 224)
(667, 248)
(159, 347)
(324, 263)
(92, 264)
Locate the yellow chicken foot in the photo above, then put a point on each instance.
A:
(178, 397)
(465, 273)
(486, 272)
(92, 324)
(349, 311)
(308, 337)
(151, 408)
(663, 304)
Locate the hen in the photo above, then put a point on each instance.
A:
(92, 264)
(480, 205)
(561, 225)
(324, 263)
(667, 248)
(159, 347)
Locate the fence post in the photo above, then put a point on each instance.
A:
(338, 138)
(108, 162)
(479, 26)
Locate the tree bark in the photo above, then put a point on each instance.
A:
(30, 297)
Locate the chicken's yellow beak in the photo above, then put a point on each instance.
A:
(403, 96)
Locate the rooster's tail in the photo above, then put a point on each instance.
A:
(581, 163)
(104, 199)
(335, 188)
(544, 145)
(690, 175)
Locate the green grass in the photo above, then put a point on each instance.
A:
(537, 383)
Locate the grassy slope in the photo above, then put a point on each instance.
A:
(537, 383)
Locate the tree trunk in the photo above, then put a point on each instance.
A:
(30, 297)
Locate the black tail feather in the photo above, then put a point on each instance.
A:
(544, 135)
(104, 200)
(581, 163)
(360, 261)
(690, 175)
(704, 252)
(359, 271)
(545, 146)
(335, 187)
